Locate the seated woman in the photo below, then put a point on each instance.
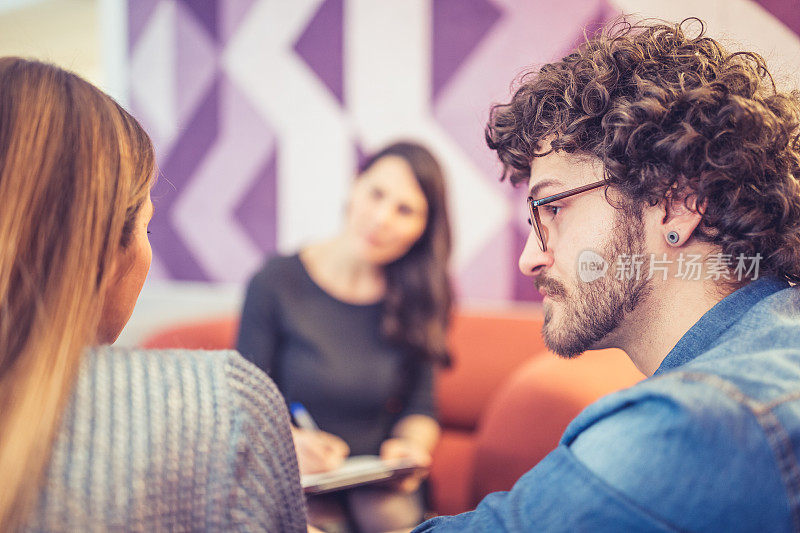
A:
(351, 328)
(96, 438)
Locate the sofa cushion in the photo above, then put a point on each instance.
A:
(450, 478)
(486, 346)
(208, 334)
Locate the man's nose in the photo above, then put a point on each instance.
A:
(532, 260)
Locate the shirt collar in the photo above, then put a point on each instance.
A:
(717, 319)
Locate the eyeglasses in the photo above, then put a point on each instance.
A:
(534, 205)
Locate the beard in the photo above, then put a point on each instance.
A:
(578, 319)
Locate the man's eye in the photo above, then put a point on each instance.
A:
(552, 210)
(529, 221)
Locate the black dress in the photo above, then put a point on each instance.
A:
(329, 355)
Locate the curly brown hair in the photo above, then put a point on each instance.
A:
(671, 117)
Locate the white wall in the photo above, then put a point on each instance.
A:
(64, 32)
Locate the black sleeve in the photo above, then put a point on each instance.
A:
(420, 398)
(258, 331)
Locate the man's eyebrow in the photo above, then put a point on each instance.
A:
(541, 185)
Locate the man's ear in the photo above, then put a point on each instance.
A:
(682, 215)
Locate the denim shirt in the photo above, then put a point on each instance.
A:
(711, 442)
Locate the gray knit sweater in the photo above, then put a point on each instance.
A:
(172, 440)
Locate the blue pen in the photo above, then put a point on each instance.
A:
(302, 417)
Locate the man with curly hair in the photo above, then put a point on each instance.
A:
(665, 210)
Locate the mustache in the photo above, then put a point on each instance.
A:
(552, 287)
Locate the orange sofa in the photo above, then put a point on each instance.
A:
(503, 405)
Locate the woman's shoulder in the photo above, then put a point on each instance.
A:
(277, 269)
(178, 388)
(281, 262)
(166, 426)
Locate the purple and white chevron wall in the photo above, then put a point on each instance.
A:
(260, 110)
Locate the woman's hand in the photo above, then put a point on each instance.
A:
(398, 448)
(318, 451)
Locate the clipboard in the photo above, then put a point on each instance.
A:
(358, 471)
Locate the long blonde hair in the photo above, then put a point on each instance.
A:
(75, 168)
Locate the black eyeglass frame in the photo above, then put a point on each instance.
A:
(534, 205)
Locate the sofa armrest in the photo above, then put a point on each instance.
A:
(526, 418)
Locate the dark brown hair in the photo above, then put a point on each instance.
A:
(419, 294)
(672, 117)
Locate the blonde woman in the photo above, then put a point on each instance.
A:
(95, 438)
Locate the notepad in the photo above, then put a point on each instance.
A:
(356, 471)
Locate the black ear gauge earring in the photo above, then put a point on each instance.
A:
(673, 237)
